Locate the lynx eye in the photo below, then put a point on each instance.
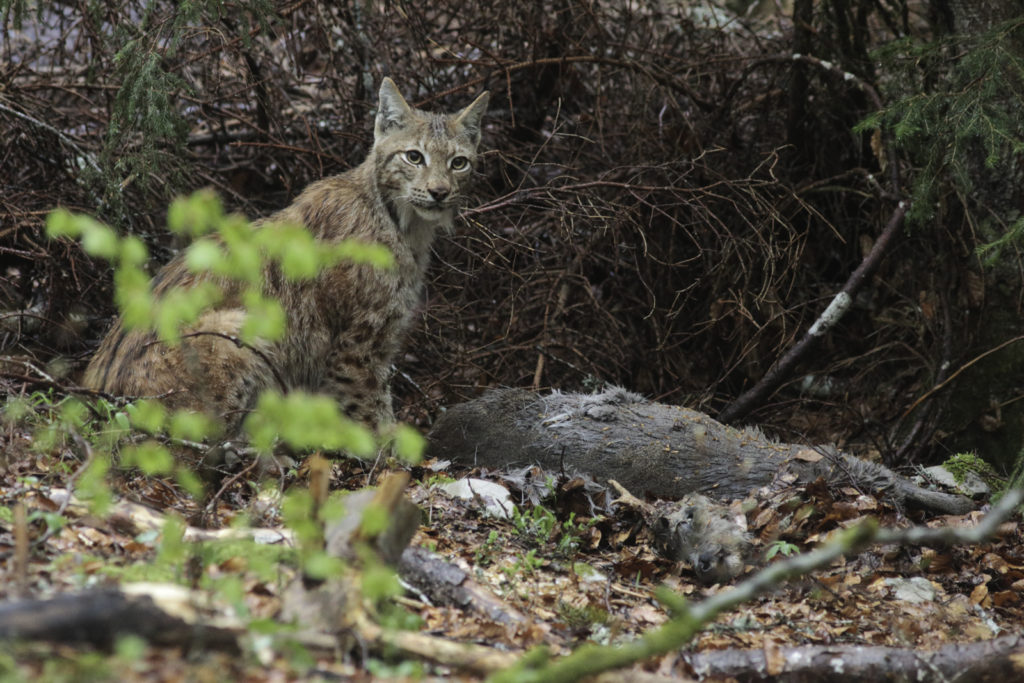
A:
(459, 163)
(414, 157)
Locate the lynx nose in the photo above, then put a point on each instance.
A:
(438, 193)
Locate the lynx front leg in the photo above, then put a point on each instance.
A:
(361, 387)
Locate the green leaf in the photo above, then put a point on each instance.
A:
(181, 307)
(409, 443)
(133, 298)
(204, 256)
(133, 252)
(186, 424)
(61, 223)
(296, 506)
(121, 420)
(99, 240)
(374, 521)
(299, 254)
(92, 486)
(73, 413)
(265, 626)
(130, 648)
(189, 481)
(297, 512)
(364, 252)
(149, 456)
(172, 550)
(300, 260)
(244, 262)
(147, 415)
(379, 582)
(306, 421)
(320, 565)
(15, 408)
(196, 214)
(264, 318)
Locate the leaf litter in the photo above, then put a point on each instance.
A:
(579, 568)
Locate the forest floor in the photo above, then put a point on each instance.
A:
(574, 574)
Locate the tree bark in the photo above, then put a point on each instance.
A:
(651, 448)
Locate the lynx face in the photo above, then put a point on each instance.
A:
(424, 160)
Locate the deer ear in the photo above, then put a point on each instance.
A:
(392, 109)
(469, 118)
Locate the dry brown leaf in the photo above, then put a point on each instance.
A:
(774, 658)
(808, 455)
(995, 563)
(977, 630)
(979, 596)
(647, 614)
(975, 288)
(1006, 598)
(235, 564)
(865, 503)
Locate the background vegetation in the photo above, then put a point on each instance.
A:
(668, 202)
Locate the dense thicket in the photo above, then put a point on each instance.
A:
(669, 201)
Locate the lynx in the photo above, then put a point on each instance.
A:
(343, 327)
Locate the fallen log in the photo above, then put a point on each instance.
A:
(164, 614)
(652, 448)
(988, 660)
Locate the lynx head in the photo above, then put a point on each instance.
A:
(423, 160)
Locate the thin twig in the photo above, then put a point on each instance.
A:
(60, 136)
(942, 385)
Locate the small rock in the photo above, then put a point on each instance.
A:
(916, 589)
(496, 498)
(972, 485)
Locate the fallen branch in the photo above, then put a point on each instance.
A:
(446, 584)
(990, 660)
(165, 614)
(133, 519)
(833, 313)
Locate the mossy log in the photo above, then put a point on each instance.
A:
(652, 448)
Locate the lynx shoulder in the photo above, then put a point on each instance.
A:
(344, 327)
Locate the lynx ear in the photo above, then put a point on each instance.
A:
(392, 109)
(469, 118)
